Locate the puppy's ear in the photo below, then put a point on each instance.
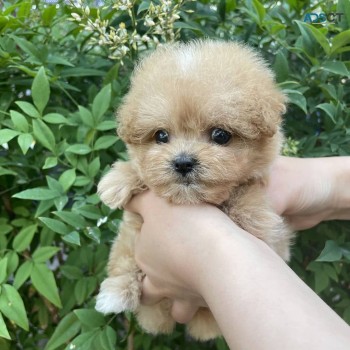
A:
(131, 129)
(125, 116)
(269, 113)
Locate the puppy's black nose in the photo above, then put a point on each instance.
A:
(184, 164)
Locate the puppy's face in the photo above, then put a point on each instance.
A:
(197, 124)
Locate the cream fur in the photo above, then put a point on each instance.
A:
(188, 89)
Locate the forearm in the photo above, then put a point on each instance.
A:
(259, 303)
(309, 190)
(340, 166)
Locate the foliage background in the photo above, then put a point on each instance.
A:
(62, 77)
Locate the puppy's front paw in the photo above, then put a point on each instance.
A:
(203, 326)
(119, 294)
(119, 184)
(155, 319)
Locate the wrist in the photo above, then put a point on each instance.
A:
(339, 168)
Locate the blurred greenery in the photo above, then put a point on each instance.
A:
(62, 77)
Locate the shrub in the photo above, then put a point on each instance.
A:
(64, 71)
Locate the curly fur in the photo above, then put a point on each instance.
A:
(188, 89)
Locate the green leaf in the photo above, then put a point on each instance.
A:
(297, 99)
(344, 8)
(83, 341)
(107, 338)
(84, 288)
(55, 225)
(82, 181)
(3, 269)
(42, 254)
(260, 10)
(41, 90)
(331, 272)
(186, 25)
(331, 252)
(67, 179)
(19, 121)
(311, 33)
(81, 149)
(346, 250)
(281, 67)
(48, 15)
(54, 185)
(72, 237)
(71, 218)
(105, 142)
(3, 329)
(321, 281)
(94, 167)
(4, 171)
(94, 233)
(329, 109)
(25, 141)
(44, 135)
(101, 102)
(335, 67)
(50, 162)
(11, 305)
(7, 135)
(66, 330)
(5, 229)
(90, 318)
(61, 201)
(24, 238)
(13, 261)
(58, 60)
(23, 274)
(81, 72)
(106, 125)
(27, 47)
(86, 116)
(44, 282)
(56, 118)
(340, 40)
(28, 109)
(24, 9)
(71, 272)
(37, 194)
(143, 6)
(89, 211)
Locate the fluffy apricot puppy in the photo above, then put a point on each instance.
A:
(202, 124)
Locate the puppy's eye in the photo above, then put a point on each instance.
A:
(220, 136)
(161, 136)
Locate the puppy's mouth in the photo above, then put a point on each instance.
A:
(186, 182)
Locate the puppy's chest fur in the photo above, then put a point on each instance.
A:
(249, 208)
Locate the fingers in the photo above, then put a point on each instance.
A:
(183, 311)
(150, 294)
(136, 203)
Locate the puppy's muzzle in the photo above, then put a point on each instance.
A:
(184, 164)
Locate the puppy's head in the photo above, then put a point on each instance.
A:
(201, 118)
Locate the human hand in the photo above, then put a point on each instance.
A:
(308, 191)
(168, 252)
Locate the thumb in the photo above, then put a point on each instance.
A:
(136, 204)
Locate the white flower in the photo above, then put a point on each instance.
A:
(76, 16)
(145, 38)
(149, 22)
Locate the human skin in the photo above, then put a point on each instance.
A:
(257, 300)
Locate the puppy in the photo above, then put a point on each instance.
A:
(202, 124)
